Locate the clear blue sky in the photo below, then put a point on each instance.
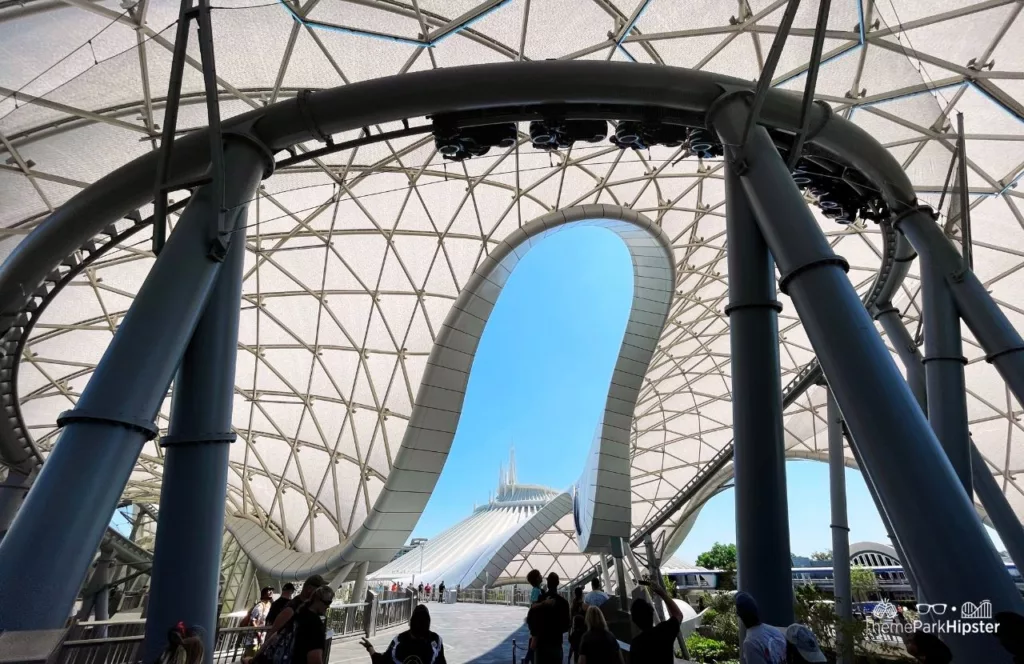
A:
(540, 379)
(541, 372)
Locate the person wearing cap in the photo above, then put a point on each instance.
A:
(285, 616)
(801, 646)
(258, 618)
(763, 644)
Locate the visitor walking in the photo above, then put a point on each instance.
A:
(535, 579)
(416, 644)
(599, 645)
(801, 645)
(287, 591)
(548, 620)
(596, 596)
(576, 631)
(306, 634)
(763, 644)
(440, 592)
(419, 590)
(311, 585)
(578, 606)
(256, 620)
(654, 644)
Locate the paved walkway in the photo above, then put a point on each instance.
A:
(472, 633)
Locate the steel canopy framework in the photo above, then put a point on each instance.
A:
(407, 231)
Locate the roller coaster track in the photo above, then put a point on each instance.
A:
(18, 449)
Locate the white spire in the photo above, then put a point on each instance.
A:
(512, 465)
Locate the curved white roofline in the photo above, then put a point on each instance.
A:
(605, 486)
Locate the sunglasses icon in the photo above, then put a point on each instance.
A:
(934, 609)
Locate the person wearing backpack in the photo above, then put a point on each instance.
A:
(302, 639)
(257, 619)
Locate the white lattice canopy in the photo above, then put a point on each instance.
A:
(354, 260)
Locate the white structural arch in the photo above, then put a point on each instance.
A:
(604, 488)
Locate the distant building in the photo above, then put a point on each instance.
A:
(487, 547)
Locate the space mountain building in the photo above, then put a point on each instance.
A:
(522, 526)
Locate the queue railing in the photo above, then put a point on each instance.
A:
(121, 642)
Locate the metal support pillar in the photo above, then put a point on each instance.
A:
(12, 495)
(876, 402)
(886, 522)
(840, 528)
(50, 545)
(622, 589)
(96, 593)
(944, 370)
(764, 565)
(963, 194)
(1003, 518)
(190, 525)
(1003, 345)
(889, 318)
(360, 585)
(606, 581)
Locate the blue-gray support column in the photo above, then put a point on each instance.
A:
(190, 524)
(888, 317)
(620, 572)
(47, 551)
(763, 562)
(883, 514)
(1003, 518)
(840, 526)
(12, 495)
(896, 443)
(1003, 345)
(944, 370)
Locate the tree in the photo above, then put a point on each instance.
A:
(862, 582)
(721, 557)
(669, 585)
(822, 556)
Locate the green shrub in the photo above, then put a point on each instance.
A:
(719, 620)
(703, 649)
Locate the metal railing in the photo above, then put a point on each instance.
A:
(347, 619)
(113, 642)
(230, 644)
(515, 595)
(393, 612)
